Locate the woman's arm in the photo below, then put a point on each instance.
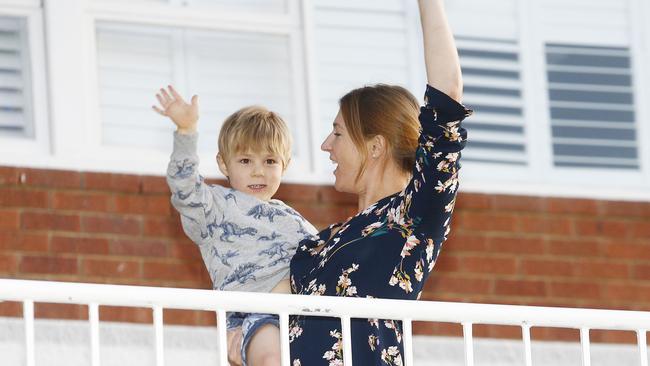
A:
(440, 53)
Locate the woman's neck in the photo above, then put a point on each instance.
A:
(381, 182)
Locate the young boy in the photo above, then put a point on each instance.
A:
(246, 238)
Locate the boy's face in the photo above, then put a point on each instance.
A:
(254, 173)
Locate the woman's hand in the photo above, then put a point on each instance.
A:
(184, 115)
(234, 347)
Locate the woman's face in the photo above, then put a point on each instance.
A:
(344, 154)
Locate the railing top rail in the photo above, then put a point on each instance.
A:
(209, 300)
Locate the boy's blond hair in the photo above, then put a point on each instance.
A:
(255, 128)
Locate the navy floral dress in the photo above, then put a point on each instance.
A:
(385, 251)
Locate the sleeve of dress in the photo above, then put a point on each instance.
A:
(430, 195)
(196, 202)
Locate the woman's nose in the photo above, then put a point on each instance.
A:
(325, 146)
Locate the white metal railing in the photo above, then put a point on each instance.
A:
(158, 299)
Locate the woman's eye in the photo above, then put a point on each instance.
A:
(336, 134)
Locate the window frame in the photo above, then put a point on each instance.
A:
(23, 149)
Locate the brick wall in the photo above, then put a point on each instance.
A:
(121, 229)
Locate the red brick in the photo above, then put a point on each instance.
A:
(546, 225)
(515, 245)
(575, 290)
(112, 182)
(78, 245)
(8, 264)
(610, 336)
(489, 265)
(627, 292)
(572, 206)
(461, 242)
(496, 331)
(111, 268)
(440, 282)
(125, 314)
(11, 197)
(555, 334)
(641, 230)
(155, 184)
(329, 195)
(473, 201)
(183, 271)
(48, 265)
(9, 219)
(181, 317)
(626, 209)
(8, 175)
(546, 268)
(31, 242)
(11, 308)
(138, 247)
(60, 311)
(520, 288)
(49, 221)
(163, 227)
(112, 224)
(185, 251)
(447, 263)
(602, 227)
(628, 250)
(439, 329)
(604, 269)
(574, 247)
(518, 203)
(143, 204)
(80, 201)
(298, 193)
(51, 178)
(642, 272)
(480, 221)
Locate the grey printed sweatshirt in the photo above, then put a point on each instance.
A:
(246, 243)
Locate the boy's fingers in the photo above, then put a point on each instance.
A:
(161, 100)
(158, 110)
(165, 95)
(174, 93)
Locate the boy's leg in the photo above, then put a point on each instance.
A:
(264, 347)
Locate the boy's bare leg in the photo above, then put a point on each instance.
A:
(264, 347)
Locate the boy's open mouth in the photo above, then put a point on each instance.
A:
(257, 186)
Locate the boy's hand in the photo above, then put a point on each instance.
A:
(184, 115)
(234, 347)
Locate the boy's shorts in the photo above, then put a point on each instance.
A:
(249, 323)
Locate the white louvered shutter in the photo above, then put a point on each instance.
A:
(590, 84)
(16, 116)
(227, 69)
(489, 50)
(356, 44)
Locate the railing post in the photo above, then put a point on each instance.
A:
(347, 341)
(28, 316)
(284, 340)
(469, 344)
(407, 335)
(528, 353)
(223, 337)
(158, 328)
(584, 341)
(643, 347)
(93, 318)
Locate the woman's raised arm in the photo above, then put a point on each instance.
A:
(440, 53)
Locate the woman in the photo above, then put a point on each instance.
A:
(406, 183)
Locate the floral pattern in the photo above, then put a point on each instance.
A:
(385, 251)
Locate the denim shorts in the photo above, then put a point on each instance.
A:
(249, 323)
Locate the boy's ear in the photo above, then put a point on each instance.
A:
(222, 165)
(284, 169)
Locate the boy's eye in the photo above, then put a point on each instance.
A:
(271, 161)
(244, 161)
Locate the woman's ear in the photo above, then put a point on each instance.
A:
(222, 165)
(377, 146)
